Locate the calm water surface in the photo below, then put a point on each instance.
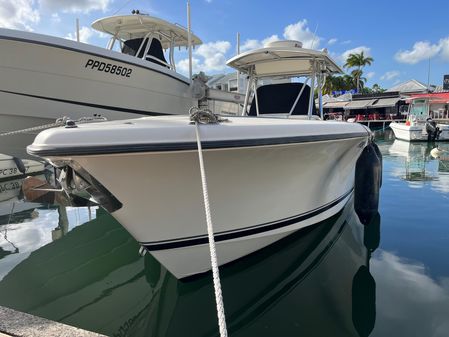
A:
(338, 278)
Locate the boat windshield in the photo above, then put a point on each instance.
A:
(145, 37)
(418, 109)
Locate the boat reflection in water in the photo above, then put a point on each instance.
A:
(315, 282)
(27, 224)
(420, 166)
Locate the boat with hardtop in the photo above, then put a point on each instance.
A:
(44, 78)
(269, 174)
(420, 124)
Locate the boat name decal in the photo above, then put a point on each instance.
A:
(108, 68)
(9, 186)
(12, 170)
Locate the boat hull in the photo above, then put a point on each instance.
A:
(257, 195)
(267, 177)
(43, 78)
(9, 168)
(417, 132)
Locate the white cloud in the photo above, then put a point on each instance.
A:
(407, 298)
(296, 31)
(214, 55)
(76, 6)
(344, 56)
(209, 57)
(389, 75)
(270, 39)
(55, 18)
(85, 34)
(183, 66)
(346, 42)
(370, 75)
(254, 44)
(332, 41)
(18, 14)
(444, 45)
(422, 50)
(300, 32)
(250, 44)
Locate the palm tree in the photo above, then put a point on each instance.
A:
(359, 79)
(358, 61)
(328, 85)
(348, 82)
(378, 88)
(337, 83)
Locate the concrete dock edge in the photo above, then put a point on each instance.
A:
(19, 324)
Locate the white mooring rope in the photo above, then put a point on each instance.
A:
(59, 122)
(210, 232)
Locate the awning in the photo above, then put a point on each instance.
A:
(385, 102)
(335, 105)
(440, 97)
(360, 104)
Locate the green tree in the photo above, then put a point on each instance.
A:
(375, 89)
(358, 61)
(358, 79)
(337, 83)
(378, 89)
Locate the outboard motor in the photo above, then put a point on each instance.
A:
(368, 180)
(433, 132)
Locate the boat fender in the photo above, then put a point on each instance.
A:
(20, 165)
(435, 153)
(368, 172)
(363, 302)
(371, 234)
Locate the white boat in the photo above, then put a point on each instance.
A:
(43, 78)
(11, 167)
(419, 125)
(151, 302)
(267, 176)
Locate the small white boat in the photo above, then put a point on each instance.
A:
(419, 125)
(43, 78)
(11, 167)
(11, 203)
(267, 176)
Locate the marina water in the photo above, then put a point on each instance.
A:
(337, 278)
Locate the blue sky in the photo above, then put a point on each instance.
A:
(401, 36)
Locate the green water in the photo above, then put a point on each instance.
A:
(332, 279)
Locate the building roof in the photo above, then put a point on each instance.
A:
(360, 104)
(384, 102)
(439, 88)
(217, 78)
(409, 87)
(335, 104)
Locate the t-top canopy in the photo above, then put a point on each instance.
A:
(283, 58)
(127, 27)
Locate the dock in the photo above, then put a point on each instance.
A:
(19, 324)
